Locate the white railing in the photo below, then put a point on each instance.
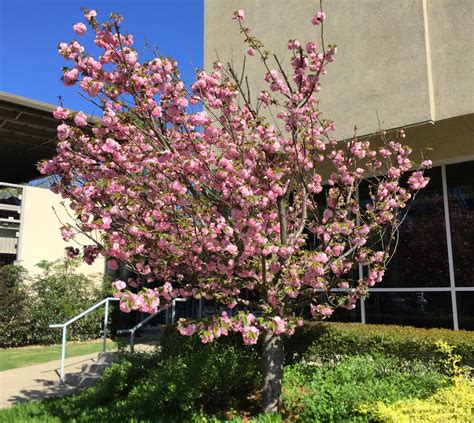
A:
(65, 325)
(132, 331)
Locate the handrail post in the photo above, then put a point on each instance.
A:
(106, 321)
(63, 355)
(132, 342)
(173, 311)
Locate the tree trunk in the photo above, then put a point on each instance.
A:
(272, 367)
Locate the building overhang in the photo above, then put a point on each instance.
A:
(27, 136)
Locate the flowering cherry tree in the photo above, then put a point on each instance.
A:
(199, 188)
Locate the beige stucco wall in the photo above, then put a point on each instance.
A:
(40, 237)
(451, 36)
(409, 61)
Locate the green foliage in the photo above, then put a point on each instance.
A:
(331, 392)
(144, 387)
(174, 344)
(14, 306)
(320, 340)
(212, 379)
(61, 293)
(450, 362)
(454, 404)
(57, 294)
(210, 383)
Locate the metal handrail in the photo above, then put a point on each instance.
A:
(65, 325)
(132, 331)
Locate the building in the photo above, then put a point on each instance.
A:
(30, 216)
(409, 64)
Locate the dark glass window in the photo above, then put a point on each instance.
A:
(6, 258)
(343, 315)
(460, 180)
(465, 305)
(422, 309)
(421, 257)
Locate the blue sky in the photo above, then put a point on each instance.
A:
(30, 31)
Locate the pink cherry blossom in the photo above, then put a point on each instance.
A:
(60, 113)
(112, 264)
(80, 119)
(90, 14)
(79, 28)
(187, 330)
(64, 131)
(318, 18)
(119, 285)
(70, 77)
(239, 15)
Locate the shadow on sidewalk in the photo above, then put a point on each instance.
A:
(46, 389)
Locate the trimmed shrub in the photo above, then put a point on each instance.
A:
(321, 340)
(333, 392)
(221, 381)
(328, 339)
(454, 404)
(215, 378)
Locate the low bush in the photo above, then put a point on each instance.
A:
(220, 383)
(190, 381)
(145, 387)
(332, 392)
(328, 339)
(320, 340)
(212, 379)
(454, 404)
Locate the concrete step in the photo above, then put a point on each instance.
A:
(108, 357)
(82, 380)
(91, 372)
(94, 367)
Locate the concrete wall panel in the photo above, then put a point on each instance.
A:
(409, 61)
(40, 232)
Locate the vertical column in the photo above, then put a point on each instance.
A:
(173, 311)
(106, 322)
(63, 355)
(428, 61)
(450, 247)
(21, 225)
(362, 301)
(361, 269)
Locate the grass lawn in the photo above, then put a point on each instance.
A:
(12, 358)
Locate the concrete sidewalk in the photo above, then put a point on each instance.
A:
(39, 381)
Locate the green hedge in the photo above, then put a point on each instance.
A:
(333, 392)
(325, 339)
(454, 404)
(191, 381)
